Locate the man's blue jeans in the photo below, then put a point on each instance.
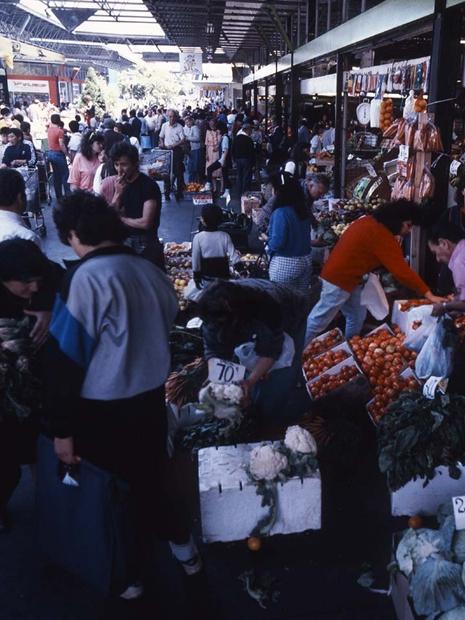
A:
(193, 165)
(244, 175)
(59, 165)
(332, 300)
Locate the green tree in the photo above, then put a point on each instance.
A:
(150, 84)
(93, 92)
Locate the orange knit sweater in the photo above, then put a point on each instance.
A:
(367, 245)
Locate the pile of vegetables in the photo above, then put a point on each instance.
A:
(314, 366)
(433, 562)
(405, 306)
(322, 344)
(182, 387)
(219, 418)
(383, 357)
(417, 434)
(327, 383)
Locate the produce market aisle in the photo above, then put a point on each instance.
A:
(316, 573)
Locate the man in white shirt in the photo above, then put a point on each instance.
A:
(172, 137)
(192, 134)
(12, 205)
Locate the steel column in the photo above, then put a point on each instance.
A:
(339, 154)
(266, 104)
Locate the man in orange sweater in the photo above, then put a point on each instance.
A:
(368, 244)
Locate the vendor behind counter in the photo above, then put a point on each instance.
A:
(268, 314)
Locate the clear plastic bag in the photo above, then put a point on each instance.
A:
(436, 357)
(420, 324)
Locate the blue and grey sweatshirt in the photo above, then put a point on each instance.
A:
(109, 333)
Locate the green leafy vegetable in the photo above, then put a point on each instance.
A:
(416, 435)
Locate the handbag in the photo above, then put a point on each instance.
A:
(85, 529)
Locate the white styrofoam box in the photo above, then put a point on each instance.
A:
(349, 361)
(405, 374)
(380, 328)
(230, 507)
(344, 346)
(413, 499)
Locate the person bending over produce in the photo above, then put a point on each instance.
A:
(368, 244)
(447, 244)
(212, 249)
(267, 314)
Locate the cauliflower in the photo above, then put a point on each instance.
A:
(230, 393)
(266, 463)
(416, 547)
(298, 439)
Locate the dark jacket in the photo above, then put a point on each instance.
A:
(243, 147)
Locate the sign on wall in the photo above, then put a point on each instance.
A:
(29, 86)
(190, 62)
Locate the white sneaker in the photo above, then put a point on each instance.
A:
(226, 194)
(135, 590)
(207, 187)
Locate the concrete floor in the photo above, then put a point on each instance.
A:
(316, 572)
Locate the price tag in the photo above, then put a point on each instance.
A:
(433, 384)
(459, 511)
(454, 166)
(222, 371)
(404, 152)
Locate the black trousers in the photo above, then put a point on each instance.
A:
(178, 171)
(128, 437)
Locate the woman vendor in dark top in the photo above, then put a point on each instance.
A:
(270, 315)
(28, 284)
(137, 197)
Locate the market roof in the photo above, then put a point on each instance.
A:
(103, 31)
(238, 27)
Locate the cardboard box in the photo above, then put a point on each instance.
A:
(230, 506)
(350, 361)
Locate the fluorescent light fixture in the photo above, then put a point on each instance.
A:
(462, 41)
(355, 68)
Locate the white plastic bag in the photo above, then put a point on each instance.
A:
(416, 338)
(374, 298)
(248, 357)
(436, 357)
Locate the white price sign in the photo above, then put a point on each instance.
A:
(459, 511)
(222, 371)
(432, 385)
(404, 152)
(454, 166)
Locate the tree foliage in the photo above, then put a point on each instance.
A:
(93, 92)
(150, 84)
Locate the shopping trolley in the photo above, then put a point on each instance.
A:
(33, 215)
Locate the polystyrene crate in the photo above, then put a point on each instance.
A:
(344, 346)
(350, 361)
(322, 336)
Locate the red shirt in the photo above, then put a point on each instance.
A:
(367, 245)
(54, 135)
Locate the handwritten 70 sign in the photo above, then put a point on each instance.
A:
(222, 371)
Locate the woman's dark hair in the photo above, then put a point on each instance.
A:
(73, 126)
(393, 214)
(21, 259)
(222, 128)
(11, 184)
(445, 230)
(90, 217)
(25, 127)
(123, 149)
(87, 141)
(230, 304)
(289, 193)
(19, 118)
(16, 132)
(212, 217)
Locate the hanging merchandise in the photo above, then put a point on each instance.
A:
(409, 104)
(375, 113)
(420, 103)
